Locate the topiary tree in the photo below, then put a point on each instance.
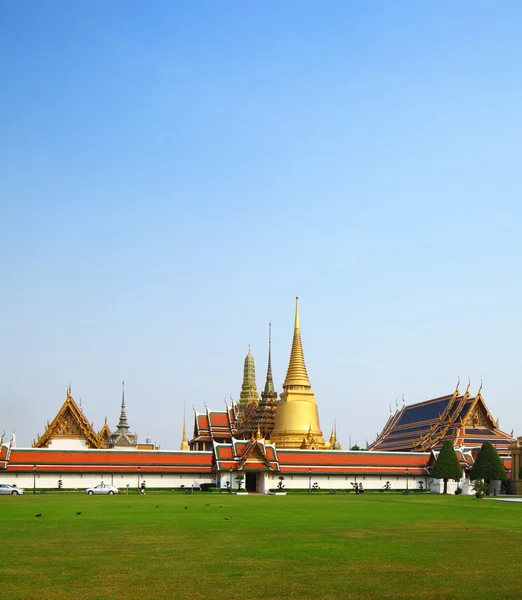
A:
(447, 465)
(488, 465)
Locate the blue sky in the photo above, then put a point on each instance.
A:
(173, 175)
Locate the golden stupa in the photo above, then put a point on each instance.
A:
(297, 418)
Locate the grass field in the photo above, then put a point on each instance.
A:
(308, 547)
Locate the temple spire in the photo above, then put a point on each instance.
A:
(249, 388)
(184, 443)
(269, 384)
(123, 415)
(297, 417)
(296, 374)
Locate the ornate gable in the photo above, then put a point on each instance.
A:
(70, 422)
(253, 457)
(104, 436)
(479, 416)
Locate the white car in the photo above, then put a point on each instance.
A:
(103, 488)
(5, 488)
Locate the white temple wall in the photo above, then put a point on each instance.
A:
(270, 481)
(437, 486)
(85, 480)
(345, 482)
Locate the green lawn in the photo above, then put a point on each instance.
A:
(306, 547)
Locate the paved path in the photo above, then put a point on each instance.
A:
(506, 499)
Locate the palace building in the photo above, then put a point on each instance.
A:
(261, 441)
(461, 418)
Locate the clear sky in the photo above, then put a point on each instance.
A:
(173, 174)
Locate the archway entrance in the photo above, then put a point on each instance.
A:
(251, 482)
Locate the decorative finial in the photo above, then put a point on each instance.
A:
(123, 424)
(458, 383)
(480, 388)
(296, 374)
(469, 383)
(403, 399)
(184, 443)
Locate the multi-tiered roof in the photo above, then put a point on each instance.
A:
(463, 419)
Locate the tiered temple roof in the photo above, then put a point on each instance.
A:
(246, 455)
(463, 419)
(212, 425)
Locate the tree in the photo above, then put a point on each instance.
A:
(488, 465)
(239, 480)
(447, 465)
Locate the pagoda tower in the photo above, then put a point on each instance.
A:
(265, 414)
(297, 417)
(258, 419)
(249, 393)
(122, 435)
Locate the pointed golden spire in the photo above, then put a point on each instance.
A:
(296, 374)
(184, 444)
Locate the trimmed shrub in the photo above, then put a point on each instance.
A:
(488, 465)
(447, 465)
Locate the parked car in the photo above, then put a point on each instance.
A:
(5, 488)
(102, 488)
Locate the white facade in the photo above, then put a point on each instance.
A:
(270, 481)
(49, 481)
(67, 443)
(265, 481)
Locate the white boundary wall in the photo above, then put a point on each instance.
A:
(84, 480)
(269, 481)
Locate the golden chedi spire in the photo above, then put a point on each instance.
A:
(297, 416)
(184, 443)
(296, 374)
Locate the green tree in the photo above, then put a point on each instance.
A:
(488, 465)
(447, 465)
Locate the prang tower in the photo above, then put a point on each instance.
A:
(249, 393)
(297, 418)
